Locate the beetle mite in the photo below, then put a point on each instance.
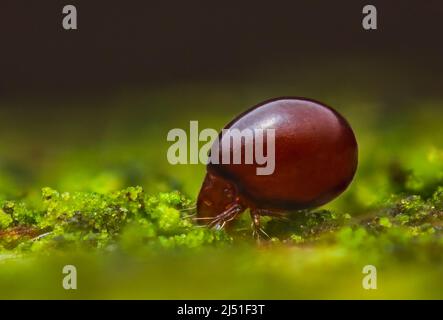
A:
(316, 158)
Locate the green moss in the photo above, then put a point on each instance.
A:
(130, 220)
(5, 220)
(124, 219)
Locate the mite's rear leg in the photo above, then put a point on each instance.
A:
(273, 213)
(257, 230)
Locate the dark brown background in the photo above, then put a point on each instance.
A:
(134, 43)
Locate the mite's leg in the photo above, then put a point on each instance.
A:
(190, 209)
(257, 231)
(221, 219)
(279, 215)
(227, 216)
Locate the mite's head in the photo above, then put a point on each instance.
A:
(216, 196)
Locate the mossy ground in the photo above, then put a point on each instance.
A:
(94, 189)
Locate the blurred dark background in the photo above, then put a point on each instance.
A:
(139, 43)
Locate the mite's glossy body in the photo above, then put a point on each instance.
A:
(315, 160)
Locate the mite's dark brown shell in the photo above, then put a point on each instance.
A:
(315, 160)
